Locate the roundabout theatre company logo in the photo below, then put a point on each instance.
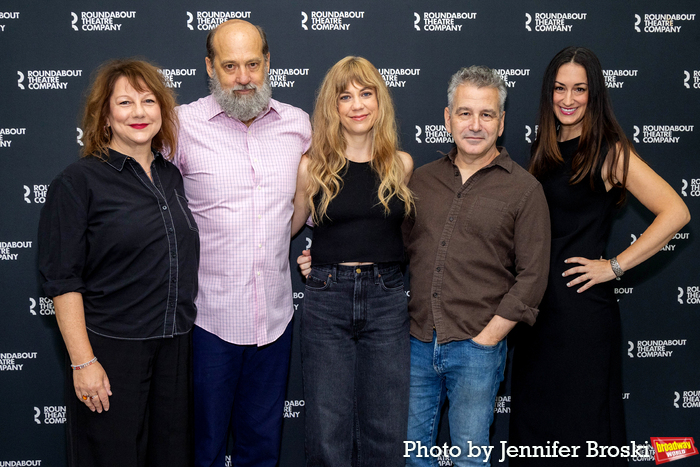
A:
(10, 132)
(330, 20)
(553, 22)
(661, 23)
(45, 79)
(208, 20)
(441, 20)
(100, 20)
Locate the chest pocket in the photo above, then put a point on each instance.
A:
(485, 217)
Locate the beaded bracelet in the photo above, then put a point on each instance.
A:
(81, 366)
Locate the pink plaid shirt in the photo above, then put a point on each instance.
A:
(240, 182)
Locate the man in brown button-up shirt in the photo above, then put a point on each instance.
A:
(479, 256)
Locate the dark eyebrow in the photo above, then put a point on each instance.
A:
(576, 84)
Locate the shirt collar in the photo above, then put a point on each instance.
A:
(117, 160)
(502, 160)
(215, 109)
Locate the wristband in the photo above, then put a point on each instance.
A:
(83, 365)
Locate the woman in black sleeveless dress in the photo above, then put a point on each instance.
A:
(586, 165)
(355, 344)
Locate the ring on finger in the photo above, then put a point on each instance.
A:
(85, 397)
(94, 396)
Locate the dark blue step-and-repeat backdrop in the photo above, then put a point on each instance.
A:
(650, 51)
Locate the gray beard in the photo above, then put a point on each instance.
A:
(243, 108)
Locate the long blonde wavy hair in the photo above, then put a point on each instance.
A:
(327, 153)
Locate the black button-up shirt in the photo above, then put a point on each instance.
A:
(129, 245)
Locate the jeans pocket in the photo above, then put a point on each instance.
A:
(314, 281)
(484, 347)
(392, 280)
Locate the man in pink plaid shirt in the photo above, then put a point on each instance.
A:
(238, 151)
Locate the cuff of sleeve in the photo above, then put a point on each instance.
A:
(310, 221)
(60, 287)
(513, 309)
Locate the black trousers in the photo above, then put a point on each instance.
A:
(149, 422)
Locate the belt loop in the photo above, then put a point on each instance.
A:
(376, 273)
(334, 272)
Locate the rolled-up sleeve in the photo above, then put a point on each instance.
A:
(62, 238)
(532, 243)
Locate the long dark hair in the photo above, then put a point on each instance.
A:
(601, 134)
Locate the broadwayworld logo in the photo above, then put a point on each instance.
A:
(671, 449)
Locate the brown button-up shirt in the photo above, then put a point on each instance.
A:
(476, 249)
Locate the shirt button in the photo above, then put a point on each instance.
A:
(459, 195)
(437, 269)
(435, 294)
(174, 255)
(258, 273)
(259, 245)
(452, 219)
(165, 208)
(259, 187)
(443, 243)
(170, 229)
(259, 216)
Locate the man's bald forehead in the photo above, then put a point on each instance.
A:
(236, 24)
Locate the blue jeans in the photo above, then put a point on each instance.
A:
(355, 354)
(469, 374)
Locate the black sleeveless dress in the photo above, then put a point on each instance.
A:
(566, 383)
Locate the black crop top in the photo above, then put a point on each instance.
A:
(356, 228)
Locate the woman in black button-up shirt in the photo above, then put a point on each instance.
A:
(119, 251)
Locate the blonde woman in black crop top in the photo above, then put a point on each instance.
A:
(354, 324)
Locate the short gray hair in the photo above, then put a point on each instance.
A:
(479, 76)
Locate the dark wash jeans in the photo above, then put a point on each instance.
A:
(355, 351)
